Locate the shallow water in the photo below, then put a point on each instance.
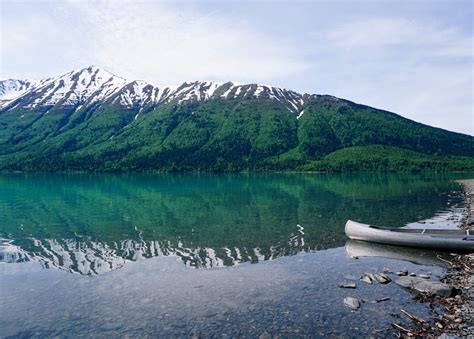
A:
(174, 255)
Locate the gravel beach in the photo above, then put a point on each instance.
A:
(463, 270)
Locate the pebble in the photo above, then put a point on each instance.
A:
(402, 273)
(348, 285)
(352, 303)
(365, 278)
(382, 278)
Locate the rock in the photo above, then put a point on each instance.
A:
(422, 285)
(412, 274)
(424, 276)
(386, 270)
(448, 336)
(347, 285)
(372, 276)
(352, 303)
(367, 278)
(402, 273)
(382, 278)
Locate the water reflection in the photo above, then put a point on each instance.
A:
(91, 224)
(356, 249)
(88, 257)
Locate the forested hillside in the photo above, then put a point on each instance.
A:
(112, 125)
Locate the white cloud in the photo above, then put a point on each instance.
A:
(400, 32)
(417, 69)
(160, 43)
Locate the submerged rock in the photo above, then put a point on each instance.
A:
(402, 273)
(347, 285)
(382, 278)
(422, 285)
(367, 278)
(370, 278)
(352, 303)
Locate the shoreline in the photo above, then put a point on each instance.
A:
(461, 272)
(453, 316)
(457, 316)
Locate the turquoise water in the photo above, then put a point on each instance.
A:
(172, 254)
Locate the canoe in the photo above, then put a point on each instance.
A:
(440, 239)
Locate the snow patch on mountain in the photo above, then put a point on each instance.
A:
(137, 94)
(193, 91)
(11, 89)
(80, 89)
(77, 87)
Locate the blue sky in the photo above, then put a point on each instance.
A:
(411, 57)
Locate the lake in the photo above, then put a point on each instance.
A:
(208, 255)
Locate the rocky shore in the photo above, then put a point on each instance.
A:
(458, 319)
(461, 272)
(453, 309)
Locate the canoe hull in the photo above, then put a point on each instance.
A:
(453, 242)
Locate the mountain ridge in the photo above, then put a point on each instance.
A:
(92, 119)
(69, 86)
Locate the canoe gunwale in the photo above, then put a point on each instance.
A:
(452, 240)
(426, 231)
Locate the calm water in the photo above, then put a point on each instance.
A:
(141, 255)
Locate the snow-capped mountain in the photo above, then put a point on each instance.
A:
(92, 119)
(78, 89)
(72, 89)
(11, 89)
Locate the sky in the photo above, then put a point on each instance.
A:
(412, 57)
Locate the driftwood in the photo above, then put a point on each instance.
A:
(402, 329)
(376, 301)
(414, 317)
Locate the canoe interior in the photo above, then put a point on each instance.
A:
(426, 231)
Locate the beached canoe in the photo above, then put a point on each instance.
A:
(452, 240)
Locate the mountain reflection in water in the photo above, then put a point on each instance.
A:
(91, 224)
(89, 257)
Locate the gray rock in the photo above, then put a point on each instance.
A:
(402, 273)
(424, 276)
(347, 285)
(382, 278)
(371, 276)
(422, 285)
(352, 303)
(448, 336)
(366, 278)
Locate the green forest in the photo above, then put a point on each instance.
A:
(227, 135)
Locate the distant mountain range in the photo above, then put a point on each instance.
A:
(94, 120)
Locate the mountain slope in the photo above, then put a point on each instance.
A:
(93, 120)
